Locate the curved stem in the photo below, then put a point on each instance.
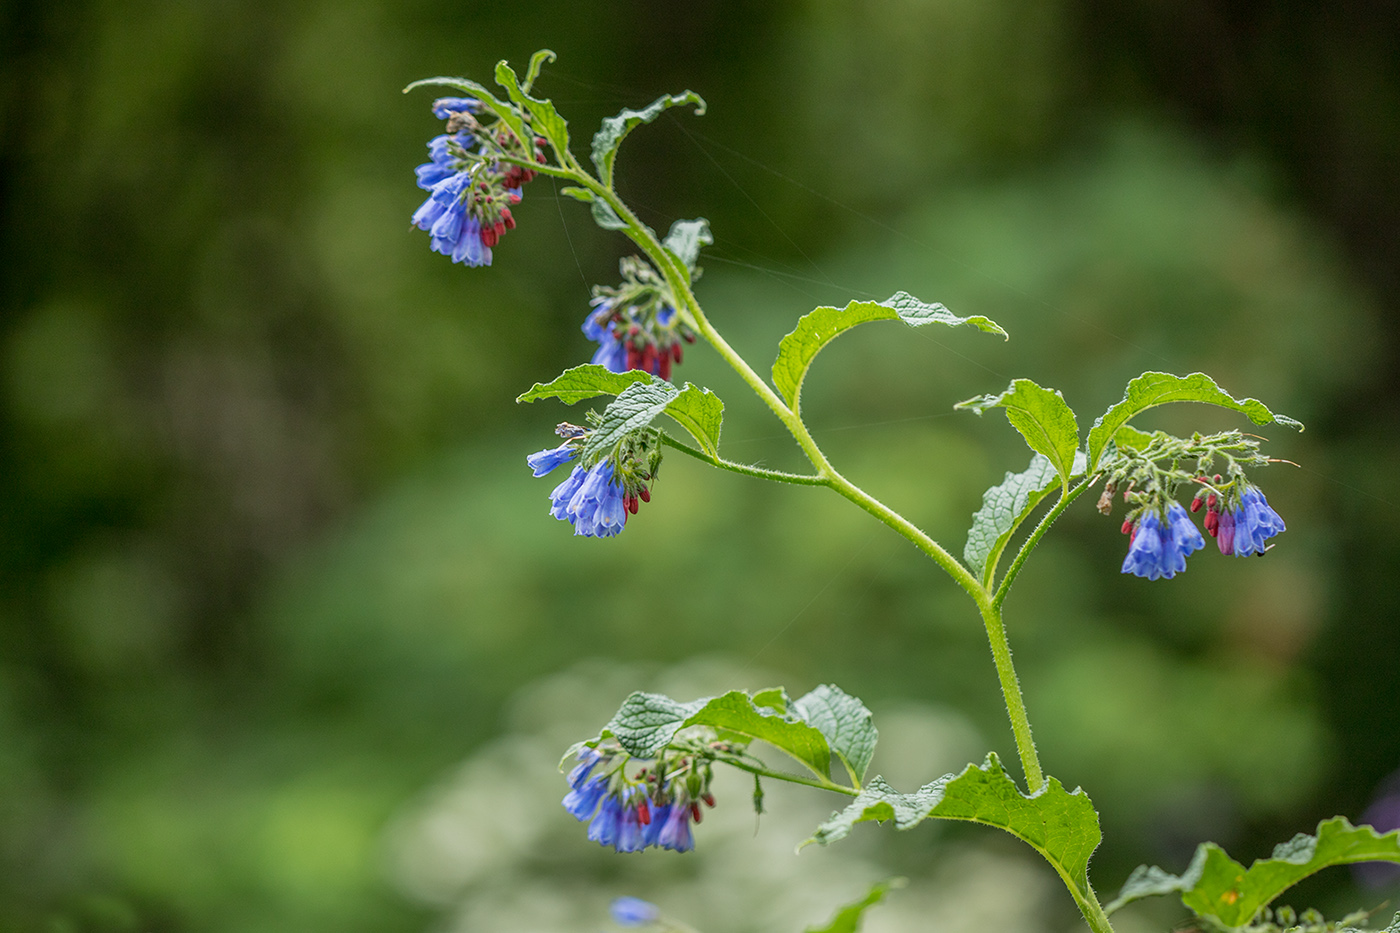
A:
(800, 479)
(1034, 538)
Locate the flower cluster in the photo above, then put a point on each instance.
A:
(597, 499)
(654, 808)
(470, 188)
(636, 324)
(1159, 548)
(1241, 526)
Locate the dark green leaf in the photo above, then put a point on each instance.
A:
(847, 919)
(1042, 417)
(1152, 389)
(701, 413)
(615, 129)
(1217, 886)
(587, 381)
(648, 722)
(1004, 507)
(635, 407)
(686, 238)
(1060, 825)
(545, 119)
(845, 722)
(819, 327)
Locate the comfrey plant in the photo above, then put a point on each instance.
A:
(644, 780)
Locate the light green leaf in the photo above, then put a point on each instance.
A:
(635, 407)
(845, 722)
(701, 413)
(1043, 418)
(1152, 389)
(686, 238)
(615, 129)
(820, 326)
(774, 697)
(648, 722)
(1131, 438)
(537, 61)
(1004, 507)
(603, 214)
(847, 919)
(1061, 825)
(587, 381)
(1217, 886)
(545, 118)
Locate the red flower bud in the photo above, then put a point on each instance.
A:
(676, 352)
(643, 813)
(507, 219)
(1212, 522)
(708, 798)
(645, 494)
(1127, 525)
(695, 811)
(664, 368)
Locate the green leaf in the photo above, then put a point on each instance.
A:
(1060, 825)
(587, 381)
(635, 407)
(545, 118)
(1043, 418)
(847, 919)
(1004, 507)
(701, 413)
(1152, 389)
(819, 327)
(686, 238)
(1131, 438)
(603, 214)
(537, 61)
(847, 725)
(774, 697)
(648, 722)
(1217, 886)
(615, 129)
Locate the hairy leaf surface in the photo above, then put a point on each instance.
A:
(846, 723)
(544, 118)
(1061, 825)
(686, 238)
(1042, 416)
(1215, 885)
(615, 129)
(1004, 507)
(1152, 389)
(587, 381)
(820, 326)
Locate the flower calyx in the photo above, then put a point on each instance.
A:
(651, 806)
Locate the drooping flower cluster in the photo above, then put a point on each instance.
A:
(597, 499)
(1150, 471)
(1241, 524)
(636, 324)
(1160, 548)
(470, 188)
(653, 808)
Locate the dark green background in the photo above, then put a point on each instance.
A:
(270, 561)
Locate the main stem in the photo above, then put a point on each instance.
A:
(990, 608)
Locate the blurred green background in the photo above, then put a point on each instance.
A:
(272, 568)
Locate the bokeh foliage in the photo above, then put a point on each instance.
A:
(270, 562)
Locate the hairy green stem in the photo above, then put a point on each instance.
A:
(1011, 693)
(819, 783)
(1034, 538)
(778, 476)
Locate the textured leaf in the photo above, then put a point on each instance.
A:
(1004, 507)
(1060, 825)
(686, 238)
(648, 722)
(1215, 885)
(603, 214)
(545, 119)
(845, 722)
(1152, 389)
(819, 327)
(635, 407)
(1043, 418)
(847, 919)
(615, 129)
(1130, 437)
(587, 381)
(701, 413)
